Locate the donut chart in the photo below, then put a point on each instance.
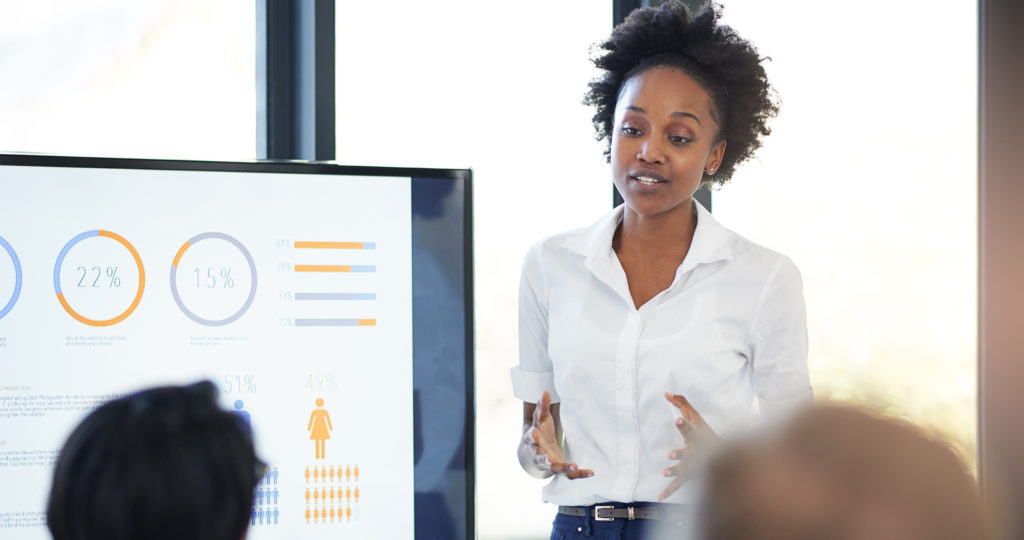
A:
(60, 262)
(17, 278)
(181, 302)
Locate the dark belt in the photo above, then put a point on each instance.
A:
(610, 513)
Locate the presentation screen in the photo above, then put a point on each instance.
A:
(331, 305)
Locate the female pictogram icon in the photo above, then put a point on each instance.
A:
(320, 428)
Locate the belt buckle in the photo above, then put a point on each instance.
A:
(597, 513)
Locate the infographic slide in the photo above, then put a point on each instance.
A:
(291, 292)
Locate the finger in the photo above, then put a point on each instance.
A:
(685, 429)
(530, 437)
(571, 471)
(691, 414)
(544, 407)
(679, 453)
(673, 486)
(542, 462)
(679, 469)
(564, 468)
(582, 473)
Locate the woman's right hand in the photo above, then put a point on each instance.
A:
(539, 448)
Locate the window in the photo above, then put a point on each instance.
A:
(869, 182)
(165, 79)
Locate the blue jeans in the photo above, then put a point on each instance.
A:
(567, 527)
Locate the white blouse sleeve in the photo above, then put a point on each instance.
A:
(779, 345)
(534, 373)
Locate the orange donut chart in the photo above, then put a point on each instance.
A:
(60, 295)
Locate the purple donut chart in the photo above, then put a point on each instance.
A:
(8, 305)
(215, 279)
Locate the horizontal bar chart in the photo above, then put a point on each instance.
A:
(335, 296)
(321, 306)
(342, 268)
(335, 245)
(335, 322)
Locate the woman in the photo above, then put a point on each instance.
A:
(320, 428)
(626, 323)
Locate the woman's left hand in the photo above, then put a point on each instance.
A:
(700, 439)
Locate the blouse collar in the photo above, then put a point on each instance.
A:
(710, 240)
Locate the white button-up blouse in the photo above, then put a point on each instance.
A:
(731, 328)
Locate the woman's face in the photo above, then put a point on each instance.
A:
(663, 140)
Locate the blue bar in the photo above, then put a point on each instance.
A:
(335, 296)
(326, 322)
(365, 268)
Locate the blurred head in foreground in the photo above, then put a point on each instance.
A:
(837, 473)
(166, 463)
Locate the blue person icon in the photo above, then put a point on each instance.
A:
(275, 475)
(276, 492)
(242, 413)
(261, 516)
(276, 514)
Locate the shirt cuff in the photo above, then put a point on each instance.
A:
(773, 411)
(530, 385)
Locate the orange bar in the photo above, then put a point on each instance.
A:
(367, 322)
(329, 245)
(322, 268)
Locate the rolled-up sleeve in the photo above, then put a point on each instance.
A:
(534, 375)
(779, 345)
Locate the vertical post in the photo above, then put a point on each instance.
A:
(295, 71)
(1001, 262)
(620, 10)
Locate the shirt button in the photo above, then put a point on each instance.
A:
(579, 529)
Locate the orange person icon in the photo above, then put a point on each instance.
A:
(307, 495)
(332, 473)
(307, 475)
(348, 513)
(307, 515)
(357, 473)
(348, 494)
(316, 515)
(332, 495)
(348, 472)
(323, 494)
(316, 496)
(357, 493)
(323, 473)
(332, 514)
(320, 428)
(316, 474)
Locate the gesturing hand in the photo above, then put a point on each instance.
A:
(541, 441)
(699, 439)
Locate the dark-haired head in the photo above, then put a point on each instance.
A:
(726, 67)
(166, 463)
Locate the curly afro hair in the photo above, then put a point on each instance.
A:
(724, 64)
